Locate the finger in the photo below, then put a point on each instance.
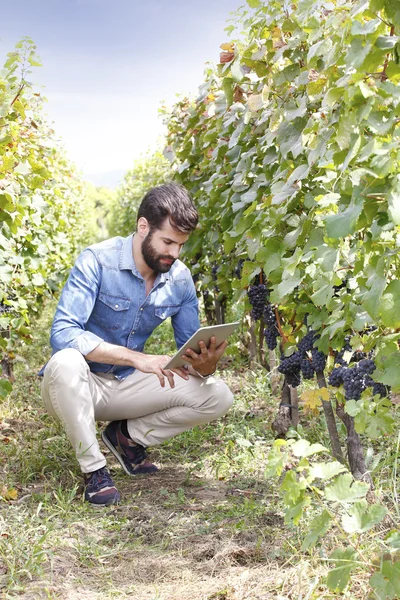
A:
(182, 372)
(170, 376)
(213, 344)
(160, 377)
(190, 352)
(203, 348)
(188, 359)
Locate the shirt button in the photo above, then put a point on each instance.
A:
(141, 309)
(116, 306)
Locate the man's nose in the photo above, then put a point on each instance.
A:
(174, 252)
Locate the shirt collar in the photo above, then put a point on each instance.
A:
(126, 261)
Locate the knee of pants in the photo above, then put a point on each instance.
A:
(221, 398)
(64, 365)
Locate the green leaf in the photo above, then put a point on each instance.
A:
(386, 42)
(227, 86)
(253, 3)
(5, 388)
(361, 517)
(389, 372)
(289, 137)
(352, 408)
(326, 470)
(236, 71)
(346, 489)
(286, 287)
(294, 513)
(345, 561)
(38, 280)
(393, 540)
(344, 223)
(303, 448)
(318, 527)
(360, 28)
(377, 284)
(386, 583)
(394, 203)
(390, 305)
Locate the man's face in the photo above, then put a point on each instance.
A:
(161, 247)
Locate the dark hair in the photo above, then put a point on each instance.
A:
(172, 201)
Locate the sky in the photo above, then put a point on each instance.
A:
(108, 66)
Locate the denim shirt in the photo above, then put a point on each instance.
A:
(104, 299)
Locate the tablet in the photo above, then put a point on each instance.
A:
(221, 332)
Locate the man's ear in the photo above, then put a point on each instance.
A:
(143, 227)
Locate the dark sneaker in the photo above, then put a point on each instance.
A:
(100, 489)
(132, 456)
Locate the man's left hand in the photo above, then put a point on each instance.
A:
(205, 363)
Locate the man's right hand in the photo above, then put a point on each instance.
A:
(147, 363)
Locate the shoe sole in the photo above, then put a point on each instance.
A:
(116, 454)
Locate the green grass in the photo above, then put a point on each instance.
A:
(209, 525)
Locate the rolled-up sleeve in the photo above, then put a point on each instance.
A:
(186, 321)
(75, 307)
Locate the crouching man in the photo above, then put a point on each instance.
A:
(117, 293)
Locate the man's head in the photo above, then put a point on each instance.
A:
(169, 201)
(166, 217)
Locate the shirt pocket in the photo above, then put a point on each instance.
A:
(166, 310)
(111, 312)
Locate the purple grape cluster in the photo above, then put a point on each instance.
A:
(257, 295)
(318, 360)
(356, 379)
(336, 376)
(271, 334)
(307, 342)
(306, 361)
(290, 367)
(307, 368)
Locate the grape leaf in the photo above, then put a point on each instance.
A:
(345, 561)
(346, 489)
(318, 527)
(361, 517)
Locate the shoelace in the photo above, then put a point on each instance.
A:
(100, 477)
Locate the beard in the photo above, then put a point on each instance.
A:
(153, 259)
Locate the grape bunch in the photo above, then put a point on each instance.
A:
(318, 360)
(271, 332)
(307, 368)
(257, 295)
(356, 379)
(306, 361)
(214, 271)
(307, 342)
(336, 376)
(290, 367)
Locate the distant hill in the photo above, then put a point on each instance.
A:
(108, 179)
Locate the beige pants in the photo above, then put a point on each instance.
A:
(79, 398)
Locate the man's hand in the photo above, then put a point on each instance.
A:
(149, 363)
(205, 363)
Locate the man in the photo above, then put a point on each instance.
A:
(117, 293)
